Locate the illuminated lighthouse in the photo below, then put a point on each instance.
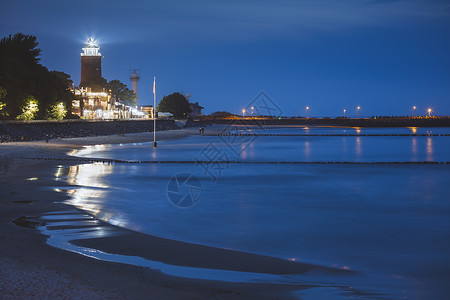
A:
(91, 62)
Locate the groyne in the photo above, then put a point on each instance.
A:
(332, 134)
(227, 162)
(372, 122)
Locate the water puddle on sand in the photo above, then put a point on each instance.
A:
(65, 226)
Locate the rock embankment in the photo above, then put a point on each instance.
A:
(14, 131)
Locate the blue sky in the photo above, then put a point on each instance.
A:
(384, 56)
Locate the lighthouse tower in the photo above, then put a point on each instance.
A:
(91, 62)
(134, 77)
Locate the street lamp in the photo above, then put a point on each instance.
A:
(359, 108)
(414, 109)
(429, 112)
(243, 113)
(252, 111)
(344, 112)
(307, 112)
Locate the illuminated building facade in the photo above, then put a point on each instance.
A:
(148, 110)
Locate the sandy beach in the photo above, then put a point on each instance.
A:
(34, 270)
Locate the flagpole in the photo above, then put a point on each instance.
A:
(154, 112)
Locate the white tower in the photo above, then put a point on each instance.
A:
(134, 77)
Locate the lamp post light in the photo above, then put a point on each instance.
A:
(252, 111)
(307, 112)
(414, 109)
(243, 113)
(429, 112)
(359, 108)
(344, 112)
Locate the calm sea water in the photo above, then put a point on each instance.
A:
(389, 222)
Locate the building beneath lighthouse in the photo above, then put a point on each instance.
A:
(91, 63)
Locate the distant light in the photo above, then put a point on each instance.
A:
(359, 107)
(307, 107)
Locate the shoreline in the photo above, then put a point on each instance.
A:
(33, 269)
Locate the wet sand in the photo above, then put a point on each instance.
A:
(32, 269)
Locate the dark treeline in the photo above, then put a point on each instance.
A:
(28, 90)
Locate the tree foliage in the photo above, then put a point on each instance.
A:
(3, 112)
(175, 104)
(22, 77)
(58, 111)
(121, 93)
(29, 110)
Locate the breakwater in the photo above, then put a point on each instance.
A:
(197, 162)
(14, 131)
(331, 134)
(372, 122)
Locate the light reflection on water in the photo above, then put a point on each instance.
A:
(358, 150)
(285, 148)
(389, 220)
(413, 130)
(414, 148)
(90, 190)
(430, 149)
(307, 150)
(383, 220)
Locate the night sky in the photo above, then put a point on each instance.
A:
(384, 56)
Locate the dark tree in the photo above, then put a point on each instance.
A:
(121, 93)
(19, 63)
(175, 104)
(22, 77)
(3, 112)
(57, 90)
